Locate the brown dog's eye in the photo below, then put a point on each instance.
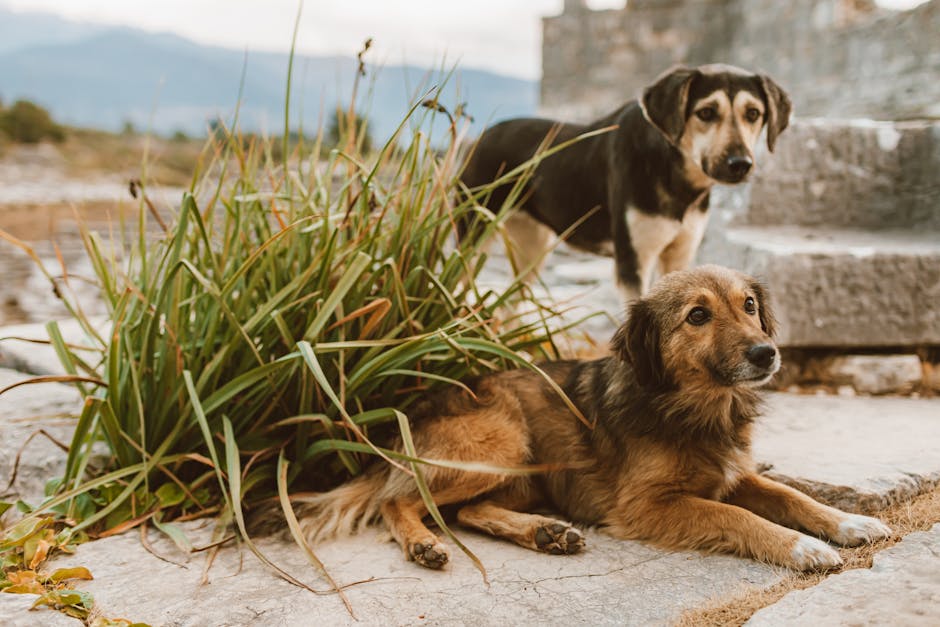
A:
(707, 114)
(750, 306)
(752, 115)
(698, 316)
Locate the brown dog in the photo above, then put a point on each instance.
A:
(667, 460)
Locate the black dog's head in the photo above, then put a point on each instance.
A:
(714, 114)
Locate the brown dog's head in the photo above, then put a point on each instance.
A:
(709, 326)
(713, 114)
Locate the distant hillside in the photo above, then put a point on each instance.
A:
(89, 75)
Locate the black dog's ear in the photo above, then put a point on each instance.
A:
(765, 311)
(664, 102)
(637, 343)
(778, 109)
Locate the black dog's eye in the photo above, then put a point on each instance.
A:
(707, 114)
(698, 316)
(752, 115)
(750, 306)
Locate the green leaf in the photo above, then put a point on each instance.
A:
(175, 533)
(170, 494)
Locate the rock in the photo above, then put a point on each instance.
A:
(15, 612)
(849, 174)
(841, 223)
(858, 454)
(24, 411)
(901, 588)
(869, 374)
(610, 583)
(839, 287)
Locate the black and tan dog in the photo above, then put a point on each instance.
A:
(650, 178)
(667, 460)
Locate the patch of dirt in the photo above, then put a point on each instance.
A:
(918, 514)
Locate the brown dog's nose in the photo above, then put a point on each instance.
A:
(761, 355)
(739, 165)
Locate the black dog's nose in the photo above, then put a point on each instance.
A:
(761, 355)
(739, 165)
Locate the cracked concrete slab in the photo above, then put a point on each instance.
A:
(901, 588)
(15, 612)
(856, 453)
(610, 583)
(23, 412)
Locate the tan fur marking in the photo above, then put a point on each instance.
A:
(680, 253)
(649, 236)
(750, 131)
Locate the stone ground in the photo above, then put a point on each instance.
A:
(858, 453)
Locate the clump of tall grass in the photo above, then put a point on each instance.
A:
(291, 315)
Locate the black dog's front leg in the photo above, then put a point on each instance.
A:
(627, 274)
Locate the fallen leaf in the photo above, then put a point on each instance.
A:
(78, 572)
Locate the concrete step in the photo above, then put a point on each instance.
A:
(852, 174)
(840, 287)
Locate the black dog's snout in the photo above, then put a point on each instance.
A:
(739, 165)
(761, 355)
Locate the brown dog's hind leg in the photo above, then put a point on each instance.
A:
(404, 515)
(403, 518)
(529, 530)
(786, 506)
(491, 431)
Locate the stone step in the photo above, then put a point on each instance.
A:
(851, 174)
(840, 287)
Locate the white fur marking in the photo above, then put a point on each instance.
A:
(856, 529)
(649, 236)
(810, 553)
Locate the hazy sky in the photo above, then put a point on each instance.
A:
(501, 35)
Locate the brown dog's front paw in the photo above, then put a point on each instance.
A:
(809, 553)
(428, 554)
(558, 539)
(856, 529)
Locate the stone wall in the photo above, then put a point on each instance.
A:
(837, 58)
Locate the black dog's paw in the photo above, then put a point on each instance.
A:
(558, 538)
(429, 555)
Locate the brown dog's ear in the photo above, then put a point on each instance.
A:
(664, 102)
(765, 312)
(637, 343)
(778, 109)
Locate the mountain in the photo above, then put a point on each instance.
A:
(91, 75)
(20, 30)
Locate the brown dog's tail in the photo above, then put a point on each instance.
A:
(342, 511)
